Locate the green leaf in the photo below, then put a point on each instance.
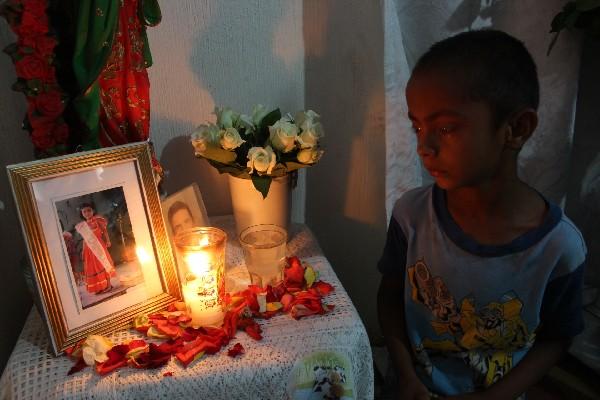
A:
(309, 275)
(11, 49)
(19, 86)
(571, 19)
(262, 184)
(220, 155)
(262, 133)
(230, 169)
(587, 5)
(292, 166)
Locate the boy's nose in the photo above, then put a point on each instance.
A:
(427, 144)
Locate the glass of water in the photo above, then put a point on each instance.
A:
(264, 248)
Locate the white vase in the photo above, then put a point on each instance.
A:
(249, 207)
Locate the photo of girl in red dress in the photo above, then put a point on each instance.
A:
(98, 266)
(99, 246)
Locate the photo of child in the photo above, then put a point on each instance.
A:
(99, 245)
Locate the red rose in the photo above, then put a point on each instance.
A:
(61, 133)
(42, 140)
(32, 24)
(43, 45)
(39, 122)
(49, 104)
(36, 7)
(31, 67)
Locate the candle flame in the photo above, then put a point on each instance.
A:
(199, 262)
(204, 241)
(142, 255)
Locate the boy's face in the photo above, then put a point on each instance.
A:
(181, 220)
(455, 137)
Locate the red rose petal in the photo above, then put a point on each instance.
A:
(324, 288)
(168, 373)
(236, 350)
(294, 273)
(79, 365)
(254, 331)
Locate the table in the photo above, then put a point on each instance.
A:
(263, 372)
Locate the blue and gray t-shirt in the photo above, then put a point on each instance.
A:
(472, 310)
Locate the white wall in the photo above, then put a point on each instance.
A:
(345, 204)
(235, 53)
(14, 147)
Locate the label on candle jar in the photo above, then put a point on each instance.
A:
(204, 297)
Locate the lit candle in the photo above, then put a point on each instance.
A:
(202, 262)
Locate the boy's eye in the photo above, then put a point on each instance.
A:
(446, 130)
(416, 129)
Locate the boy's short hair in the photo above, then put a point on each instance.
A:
(176, 206)
(491, 66)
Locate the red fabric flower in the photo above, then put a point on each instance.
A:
(43, 45)
(49, 104)
(33, 22)
(32, 67)
(43, 140)
(61, 133)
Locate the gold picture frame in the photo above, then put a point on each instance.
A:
(98, 246)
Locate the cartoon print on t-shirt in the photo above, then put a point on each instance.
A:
(483, 337)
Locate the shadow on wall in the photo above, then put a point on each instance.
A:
(583, 197)
(239, 55)
(184, 168)
(345, 195)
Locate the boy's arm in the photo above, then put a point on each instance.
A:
(537, 362)
(390, 309)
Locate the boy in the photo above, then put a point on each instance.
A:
(482, 276)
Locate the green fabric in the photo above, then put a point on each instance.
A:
(150, 12)
(150, 15)
(96, 26)
(97, 23)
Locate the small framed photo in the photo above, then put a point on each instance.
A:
(184, 209)
(97, 242)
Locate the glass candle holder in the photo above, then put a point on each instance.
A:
(264, 248)
(201, 266)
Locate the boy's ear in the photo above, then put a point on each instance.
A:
(520, 127)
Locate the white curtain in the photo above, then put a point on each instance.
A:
(412, 26)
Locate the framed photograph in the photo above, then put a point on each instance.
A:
(184, 209)
(97, 241)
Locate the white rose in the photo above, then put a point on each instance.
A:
(283, 135)
(226, 117)
(204, 136)
(310, 135)
(258, 114)
(309, 156)
(261, 159)
(230, 139)
(305, 119)
(94, 349)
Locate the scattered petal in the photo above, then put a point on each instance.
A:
(79, 365)
(310, 275)
(236, 350)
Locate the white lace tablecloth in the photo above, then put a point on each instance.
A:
(262, 372)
